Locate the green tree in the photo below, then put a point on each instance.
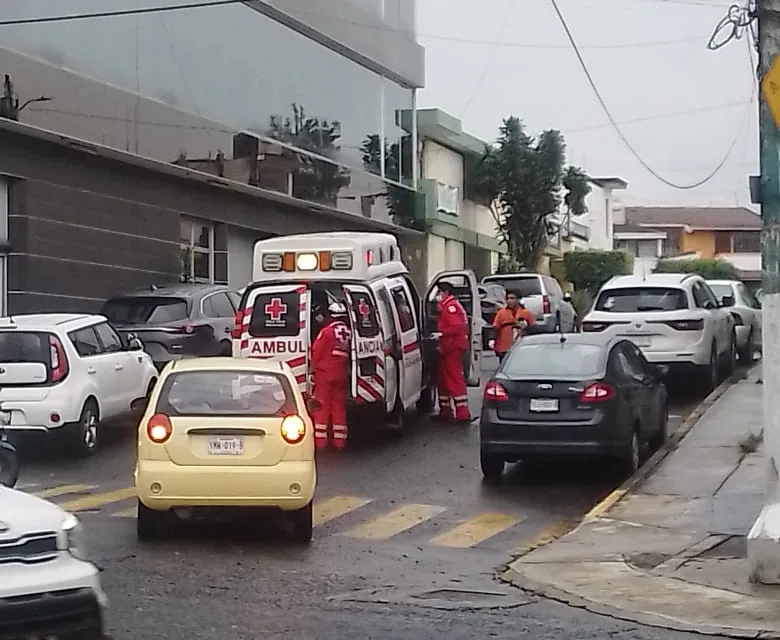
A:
(588, 270)
(708, 269)
(401, 202)
(313, 179)
(522, 178)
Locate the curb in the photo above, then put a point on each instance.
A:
(652, 463)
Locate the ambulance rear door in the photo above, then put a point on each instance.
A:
(466, 288)
(272, 323)
(367, 363)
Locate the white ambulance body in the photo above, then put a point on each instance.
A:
(391, 325)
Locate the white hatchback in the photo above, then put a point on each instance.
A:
(48, 588)
(675, 319)
(69, 374)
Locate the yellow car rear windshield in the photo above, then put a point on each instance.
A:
(226, 393)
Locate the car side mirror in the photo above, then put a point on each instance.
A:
(134, 344)
(727, 301)
(662, 370)
(567, 296)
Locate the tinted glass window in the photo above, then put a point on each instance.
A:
(24, 346)
(109, 338)
(551, 360)
(86, 342)
(404, 308)
(275, 315)
(635, 299)
(236, 393)
(529, 286)
(218, 306)
(151, 310)
(722, 290)
(364, 314)
(700, 296)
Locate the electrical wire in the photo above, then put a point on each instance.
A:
(377, 27)
(626, 142)
(491, 57)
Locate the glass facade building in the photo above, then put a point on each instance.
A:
(289, 95)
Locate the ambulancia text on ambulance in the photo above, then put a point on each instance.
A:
(392, 351)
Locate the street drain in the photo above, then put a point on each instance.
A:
(457, 595)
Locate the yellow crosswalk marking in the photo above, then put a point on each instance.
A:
(130, 512)
(96, 500)
(64, 490)
(395, 522)
(336, 507)
(474, 531)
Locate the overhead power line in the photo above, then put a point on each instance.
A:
(625, 140)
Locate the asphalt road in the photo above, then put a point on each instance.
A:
(407, 547)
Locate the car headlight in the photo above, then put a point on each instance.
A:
(72, 537)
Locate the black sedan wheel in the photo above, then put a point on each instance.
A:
(492, 465)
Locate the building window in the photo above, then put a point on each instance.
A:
(197, 250)
(722, 242)
(747, 242)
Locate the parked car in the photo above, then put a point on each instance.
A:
(225, 433)
(588, 395)
(49, 588)
(675, 319)
(746, 311)
(542, 296)
(177, 321)
(69, 375)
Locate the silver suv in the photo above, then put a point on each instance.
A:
(542, 296)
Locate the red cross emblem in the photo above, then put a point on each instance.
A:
(363, 309)
(275, 309)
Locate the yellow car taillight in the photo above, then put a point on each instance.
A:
(293, 429)
(159, 428)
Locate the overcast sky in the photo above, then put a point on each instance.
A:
(649, 60)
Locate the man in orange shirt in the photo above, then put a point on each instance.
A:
(508, 320)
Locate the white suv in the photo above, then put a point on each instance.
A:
(47, 587)
(68, 374)
(675, 319)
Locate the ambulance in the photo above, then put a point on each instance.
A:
(393, 353)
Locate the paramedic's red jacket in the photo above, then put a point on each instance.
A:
(453, 324)
(330, 352)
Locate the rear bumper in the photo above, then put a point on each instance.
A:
(29, 415)
(518, 439)
(225, 486)
(698, 357)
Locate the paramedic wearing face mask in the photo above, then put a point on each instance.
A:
(330, 365)
(453, 344)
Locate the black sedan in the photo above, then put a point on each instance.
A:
(577, 394)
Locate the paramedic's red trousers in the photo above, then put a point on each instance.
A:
(332, 394)
(451, 386)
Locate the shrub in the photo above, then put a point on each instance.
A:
(708, 269)
(588, 270)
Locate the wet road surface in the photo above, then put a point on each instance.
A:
(407, 544)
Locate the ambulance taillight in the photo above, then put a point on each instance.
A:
(238, 326)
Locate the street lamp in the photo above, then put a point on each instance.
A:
(26, 103)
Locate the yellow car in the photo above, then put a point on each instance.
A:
(225, 432)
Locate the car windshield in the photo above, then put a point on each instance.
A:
(152, 310)
(23, 346)
(633, 299)
(551, 360)
(528, 286)
(721, 290)
(226, 393)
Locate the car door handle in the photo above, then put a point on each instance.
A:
(91, 371)
(118, 367)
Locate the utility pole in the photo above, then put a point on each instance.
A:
(764, 538)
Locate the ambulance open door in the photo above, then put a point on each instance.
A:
(273, 323)
(465, 284)
(367, 373)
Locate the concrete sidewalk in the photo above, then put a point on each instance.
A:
(671, 551)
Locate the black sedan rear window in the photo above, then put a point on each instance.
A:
(554, 360)
(635, 299)
(151, 310)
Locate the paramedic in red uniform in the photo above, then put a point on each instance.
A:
(330, 364)
(453, 344)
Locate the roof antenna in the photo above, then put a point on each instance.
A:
(560, 326)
